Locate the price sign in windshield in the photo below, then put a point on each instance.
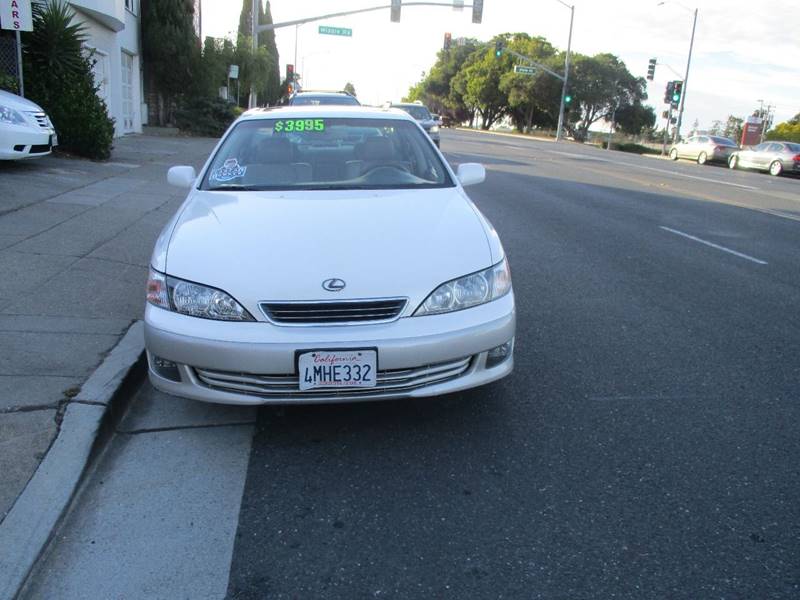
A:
(299, 125)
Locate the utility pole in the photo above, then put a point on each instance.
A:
(686, 80)
(253, 102)
(566, 72)
(19, 66)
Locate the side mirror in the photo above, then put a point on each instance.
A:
(471, 173)
(182, 177)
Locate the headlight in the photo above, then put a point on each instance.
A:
(434, 129)
(468, 291)
(9, 115)
(193, 299)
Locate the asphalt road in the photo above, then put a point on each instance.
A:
(646, 445)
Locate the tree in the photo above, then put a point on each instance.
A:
(599, 84)
(733, 128)
(350, 88)
(259, 67)
(533, 99)
(478, 83)
(636, 118)
(435, 88)
(788, 131)
(170, 50)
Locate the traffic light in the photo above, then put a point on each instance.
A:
(289, 73)
(669, 92)
(567, 100)
(498, 48)
(448, 39)
(651, 69)
(395, 14)
(477, 11)
(677, 90)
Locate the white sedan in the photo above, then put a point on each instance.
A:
(327, 254)
(25, 129)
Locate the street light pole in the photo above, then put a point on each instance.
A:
(566, 72)
(685, 80)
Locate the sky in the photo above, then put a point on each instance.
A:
(740, 55)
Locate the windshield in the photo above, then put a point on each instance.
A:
(420, 113)
(336, 153)
(723, 141)
(342, 100)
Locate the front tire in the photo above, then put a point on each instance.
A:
(673, 154)
(733, 163)
(776, 168)
(702, 158)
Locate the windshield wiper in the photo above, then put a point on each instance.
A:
(234, 187)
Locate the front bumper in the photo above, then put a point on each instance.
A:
(254, 363)
(24, 141)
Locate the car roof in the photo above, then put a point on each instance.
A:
(322, 93)
(322, 111)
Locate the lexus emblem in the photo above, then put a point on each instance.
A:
(333, 285)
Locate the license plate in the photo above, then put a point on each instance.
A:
(338, 369)
(54, 140)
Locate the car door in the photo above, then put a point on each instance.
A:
(700, 145)
(685, 147)
(774, 152)
(755, 157)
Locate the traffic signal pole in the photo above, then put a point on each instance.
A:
(685, 80)
(566, 74)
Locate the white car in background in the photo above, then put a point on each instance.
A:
(327, 254)
(25, 129)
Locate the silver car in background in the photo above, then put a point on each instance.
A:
(775, 157)
(422, 115)
(704, 148)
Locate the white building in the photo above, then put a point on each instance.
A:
(112, 29)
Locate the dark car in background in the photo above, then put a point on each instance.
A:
(704, 148)
(775, 157)
(317, 98)
(422, 115)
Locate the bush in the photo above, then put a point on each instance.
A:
(631, 147)
(61, 82)
(206, 116)
(9, 83)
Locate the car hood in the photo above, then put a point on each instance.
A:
(282, 245)
(18, 102)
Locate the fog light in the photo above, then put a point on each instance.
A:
(164, 368)
(498, 354)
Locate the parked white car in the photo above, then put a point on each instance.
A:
(25, 129)
(327, 254)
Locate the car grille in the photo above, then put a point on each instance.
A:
(393, 380)
(319, 313)
(41, 119)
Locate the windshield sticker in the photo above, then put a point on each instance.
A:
(229, 170)
(299, 125)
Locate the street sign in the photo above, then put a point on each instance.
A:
(16, 15)
(524, 70)
(326, 30)
(233, 72)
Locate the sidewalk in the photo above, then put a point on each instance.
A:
(75, 240)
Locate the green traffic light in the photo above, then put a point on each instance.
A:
(676, 97)
(567, 99)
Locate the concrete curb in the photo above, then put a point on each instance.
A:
(27, 528)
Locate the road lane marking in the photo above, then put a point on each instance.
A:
(719, 181)
(713, 245)
(635, 166)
